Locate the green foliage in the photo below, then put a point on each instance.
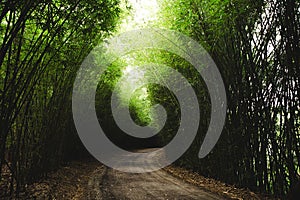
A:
(255, 45)
(255, 49)
(42, 46)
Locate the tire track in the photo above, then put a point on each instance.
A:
(115, 185)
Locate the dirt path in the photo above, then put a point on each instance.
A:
(91, 180)
(155, 185)
(108, 183)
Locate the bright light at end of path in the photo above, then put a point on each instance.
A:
(133, 77)
(143, 13)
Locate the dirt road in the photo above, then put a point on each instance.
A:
(107, 183)
(90, 179)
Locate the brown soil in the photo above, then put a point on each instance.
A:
(69, 182)
(92, 180)
(217, 187)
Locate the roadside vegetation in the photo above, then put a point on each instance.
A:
(254, 43)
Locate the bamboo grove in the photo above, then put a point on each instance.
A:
(257, 49)
(42, 45)
(255, 44)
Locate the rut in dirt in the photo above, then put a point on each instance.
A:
(107, 183)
